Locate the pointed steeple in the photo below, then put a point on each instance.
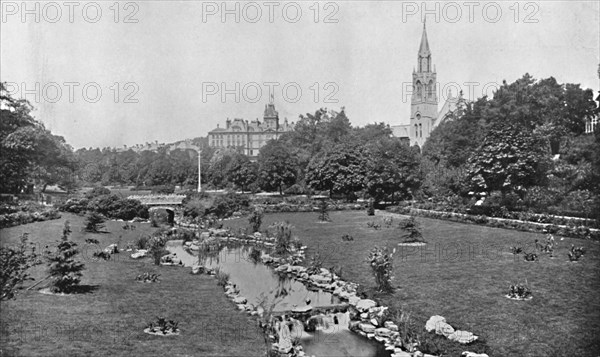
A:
(424, 48)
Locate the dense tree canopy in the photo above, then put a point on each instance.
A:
(30, 154)
(278, 167)
(339, 170)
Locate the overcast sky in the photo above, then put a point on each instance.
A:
(166, 63)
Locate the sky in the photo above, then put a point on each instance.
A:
(109, 73)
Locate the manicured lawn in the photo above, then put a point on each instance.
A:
(109, 320)
(463, 274)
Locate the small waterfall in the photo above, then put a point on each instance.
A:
(319, 325)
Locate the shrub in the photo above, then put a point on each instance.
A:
(381, 262)
(94, 222)
(193, 205)
(255, 255)
(371, 208)
(14, 263)
(225, 205)
(97, 191)
(373, 225)
(147, 277)
(222, 278)
(255, 220)
(347, 238)
(413, 229)
(156, 248)
(142, 242)
(519, 291)
(284, 241)
(516, 250)
(316, 263)
(162, 325)
(323, 214)
(575, 253)
(101, 255)
(530, 257)
(62, 266)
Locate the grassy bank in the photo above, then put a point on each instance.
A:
(463, 274)
(109, 320)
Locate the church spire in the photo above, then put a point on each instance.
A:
(424, 49)
(424, 57)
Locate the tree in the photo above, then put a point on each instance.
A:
(323, 214)
(29, 153)
(242, 172)
(372, 132)
(392, 170)
(339, 170)
(94, 222)
(510, 159)
(278, 168)
(63, 268)
(14, 264)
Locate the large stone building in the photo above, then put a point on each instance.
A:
(424, 114)
(250, 136)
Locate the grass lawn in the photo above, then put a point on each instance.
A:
(463, 274)
(110, 320)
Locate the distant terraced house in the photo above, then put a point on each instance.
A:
(250, 136)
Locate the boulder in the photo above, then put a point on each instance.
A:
(353, 299)
(302, 309)
(374, 322)
(462, 336)
(139, 254)
(433, 321)
(401, 354)
(390, 325)
(383, 332)
(170, 259)
(443, 328)
(240, 300)
(111, 249)
(473, 354)
(352, 325)
(365, 304)
(197, 269)
(319, 279)
(367, 328)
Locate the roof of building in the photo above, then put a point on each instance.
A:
(424, 48)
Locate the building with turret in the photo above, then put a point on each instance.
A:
(250, 136)
(424, 114)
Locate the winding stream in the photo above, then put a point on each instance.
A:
(257, 282)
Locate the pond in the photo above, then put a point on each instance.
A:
(259, 283)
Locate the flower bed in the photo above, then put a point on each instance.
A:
(485, 211)
(307, 207)
(562, 230)
(15, 215)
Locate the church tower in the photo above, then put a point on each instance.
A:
(424, 101)
(271, 116)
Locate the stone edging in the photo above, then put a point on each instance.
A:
(365, 311)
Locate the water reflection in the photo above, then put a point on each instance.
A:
(279, 294)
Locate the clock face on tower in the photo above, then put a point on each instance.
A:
(418, 116)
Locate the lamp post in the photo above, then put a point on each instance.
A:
(199, 169)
